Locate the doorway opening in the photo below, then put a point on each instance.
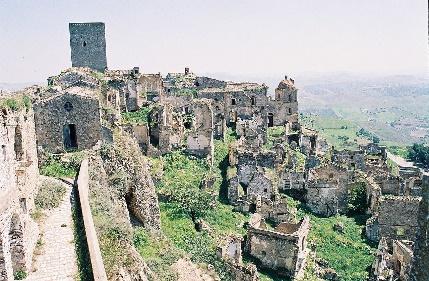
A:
(270, 120)
(70, 137)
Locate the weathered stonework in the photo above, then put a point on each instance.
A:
(18, 178)
(88, 45)
(68, 121)
(283, 249)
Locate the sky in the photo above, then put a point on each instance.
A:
(253, 37)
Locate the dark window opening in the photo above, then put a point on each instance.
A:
(187, 124)
(265, 190)
(233, 102)
(253, 101)
(68, 106)
(168, 90)
(290, 110)
(313, 143)
(84, 43)
(23, 205)
(154, 140)
(252, 208)
(3, 151)
(70, 137)
(270, 120)
(18, 144)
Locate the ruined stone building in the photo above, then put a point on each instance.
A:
(18, 178)
(283, 249)
(230, 251)
(327, 190)
(67, 121)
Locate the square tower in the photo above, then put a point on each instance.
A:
(88, 45)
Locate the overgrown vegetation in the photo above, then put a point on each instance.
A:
(16, 103)
(187, 92)
(138, 117)
(274, 134)
(49, 195)
(348, 253)
(20, 275)
(182, 174)
(356, 200)
(66, 166)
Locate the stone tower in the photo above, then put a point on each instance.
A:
(88, 45)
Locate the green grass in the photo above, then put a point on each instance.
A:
(58, 167)
(338, 132)
(349, 254)
(138, 117)
(181, 237)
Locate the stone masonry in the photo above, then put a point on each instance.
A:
(88, 45)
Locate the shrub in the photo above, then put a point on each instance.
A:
(138, 117)
(62, 167)
(20, 275)
(50, 195)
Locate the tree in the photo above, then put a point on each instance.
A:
(193, 202)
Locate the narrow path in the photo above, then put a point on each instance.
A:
(57, 260)
(399, 160)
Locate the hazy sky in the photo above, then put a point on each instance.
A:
(229, 36)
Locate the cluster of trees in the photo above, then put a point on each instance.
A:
(419, 154)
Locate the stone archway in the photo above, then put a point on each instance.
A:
(17, 246)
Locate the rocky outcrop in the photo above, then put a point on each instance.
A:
(121, 189)
(128, 170)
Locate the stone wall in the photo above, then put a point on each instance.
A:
(199, 140)
(18, 179)
(327, 188)
(398, 217)
(88, 45)
(283, 249)
(97, 265)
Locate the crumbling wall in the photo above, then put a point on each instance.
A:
(18, 178)
(283, 249)
(200, 136)
(398, 217)
(326, 192)
(151, 87)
